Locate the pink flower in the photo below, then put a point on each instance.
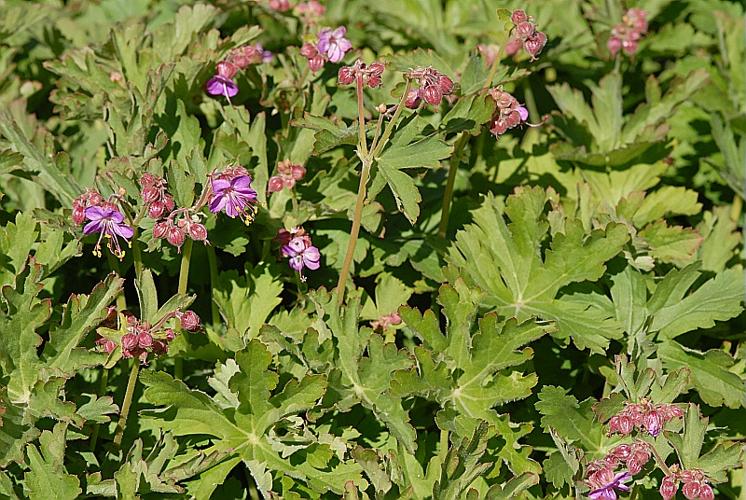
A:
(332, 44)
(108, 221)
(279, 5)
(627, 34)
(433, 86)
(235, 197)
(669, 487)
(525, 34)
(315, 59)
(299, 251)
(190, 321)
(606, 483)
(219, 85)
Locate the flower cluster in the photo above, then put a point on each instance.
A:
(508, 114)
(297, 247)
(370, 75)
(695, 484)
(154, 195)
(331, 45)
(432, 87)
(231, 192)
(179, 223)
(310, 11)
(138, 338)
(627, 34)
(643, 416)
(602, 476)
(105, 218)
(525, 35)
(287, 175)
(240, 58)
(386, 321)
(280, 5)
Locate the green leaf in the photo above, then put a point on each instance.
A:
(147, 295)
(689, 445)
(82, 313)
(710, 373)
(246, 302)
(505, 261)
(16, 242)
(47, 473)
(572, 420)
(717, 299)
(671, 244)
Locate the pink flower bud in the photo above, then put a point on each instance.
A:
(316, 63)
(168, 202)
(513, 119)
(346, 75)
(535, 44)
(622, 452)
(159, 347)
(445, 85)
(706, 493)
(413, 99)
(78, 215)
(129, 342)
(227, 69)
(147, 179)
(197, 232)
(692, 489)
(668, 487)
(156, 209)
(170, 334)
(176, 236)
(144, 340)
(309, 50)
(614, 45)
(275, 184)
(150, 194)
(160, 229)
(190, 321)
(634, 465)
(431, 94)
(279, 5)
(374, 81)
(513, 46)
(519, 16)
(652, 423)
(109, 346)
(525, 30)
(297, 172)
(629, 46)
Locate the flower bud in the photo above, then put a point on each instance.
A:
(144, 340)
(309, 50)
(297, 172)
(535, 44)
(513, 46)
(316, 63)
(622, 452)
(652, 423)
(147, 179)
(525, 30)
(168, 202)
(197, 232)
(445, 84)
(170, 334)
(160, 229)
(692, 489)
(78, 215)
(413, 99)
(190, 321)
(159, 347)
(175, 236)
(668, 487)
(150, 194)
(706, 493)
(275, 184)
(346, 75)
(227, 69)
(431, 94)
(129, 342)
(614, 45)
(156, 209)
(519, 16)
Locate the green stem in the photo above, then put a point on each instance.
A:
(453, 164)
(528, 94)
(362, 139)
(367, 160)
(355, 231)
(735, 208)
(186, 257)
(492, 73)
(212, 261)
(444, 441)
(131, 383)
(101, 392)
(136, 256)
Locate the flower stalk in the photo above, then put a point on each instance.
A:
(453, 165)
(127, 403)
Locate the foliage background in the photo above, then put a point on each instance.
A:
(614, 228)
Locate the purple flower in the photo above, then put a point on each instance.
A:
(333, 44)
(301, 253)
(109, 223)
(608, 491)
(220, 85)
(234, 196)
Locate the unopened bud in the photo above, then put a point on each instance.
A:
(190, 321)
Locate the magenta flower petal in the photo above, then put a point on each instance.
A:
(93, 227)
(242, 183)
(218, 85)
(122, 230)
(96, 213)
(220, 185)
(523, 112)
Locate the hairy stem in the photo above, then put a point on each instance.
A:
(367, 160)
(131, 383)
(362, 139)
(355, 231)
(212, 261)
(186, 257)
(492, 73)
(453, 164)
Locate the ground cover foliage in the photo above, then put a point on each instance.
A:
(394, 249)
